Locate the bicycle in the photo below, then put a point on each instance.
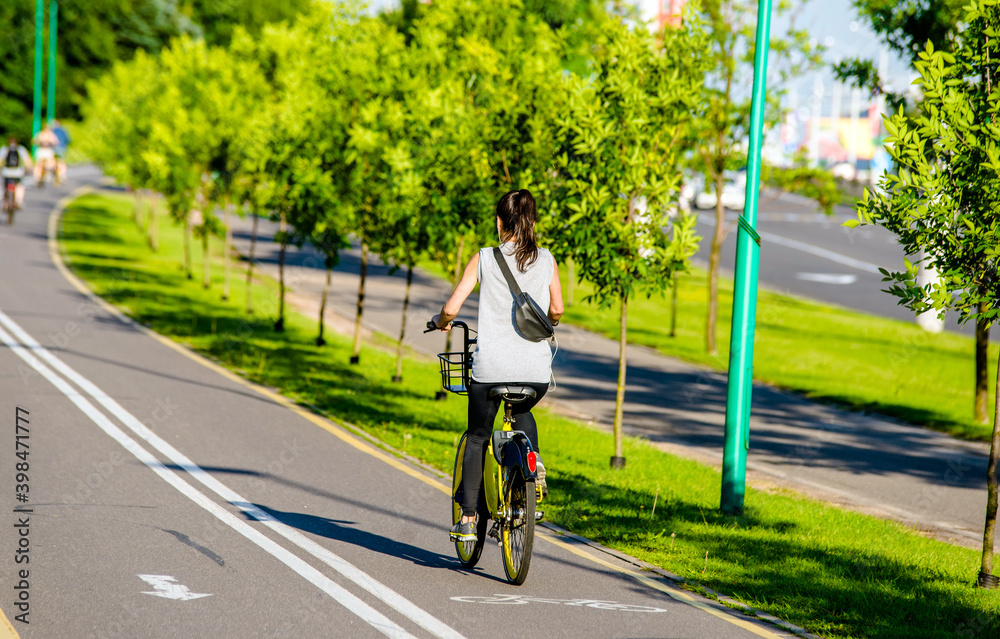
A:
(507, 495)
(10, 199)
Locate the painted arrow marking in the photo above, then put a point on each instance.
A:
(168, 588)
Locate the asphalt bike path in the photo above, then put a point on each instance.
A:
(170, 498)
(864, 462)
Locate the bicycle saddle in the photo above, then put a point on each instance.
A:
(513, 393)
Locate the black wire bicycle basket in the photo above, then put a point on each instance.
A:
(456, 369)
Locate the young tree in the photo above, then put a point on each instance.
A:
(119, 122)
(497, 67)
(369, 154)
(945, 200)
(907, 27)
(618, 170)
(724, 117)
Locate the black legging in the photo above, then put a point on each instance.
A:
(482, 413)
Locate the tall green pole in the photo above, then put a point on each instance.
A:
(50, 103)
(734, 455)
(36, 123)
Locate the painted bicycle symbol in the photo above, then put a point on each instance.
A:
(582, 603)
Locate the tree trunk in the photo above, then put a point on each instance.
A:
(402, 327)
(137, 207)
(253, 246)
(151, 236)
(572, 281)
(673, 305)
(206, 262)
(226, 244)
(454, 282)
(279, 326)
(356, 356)
(982, 399)
(714, 258)
(322, 306)
(989, 533)
(187, 248)
(618, 461)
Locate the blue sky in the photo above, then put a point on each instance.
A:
(835, 23)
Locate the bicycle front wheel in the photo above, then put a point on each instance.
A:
(468, 551)
(518, 535)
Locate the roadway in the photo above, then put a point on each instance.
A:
(169, 498)
(807, 253)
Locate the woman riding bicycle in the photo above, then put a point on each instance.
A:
(502, 356)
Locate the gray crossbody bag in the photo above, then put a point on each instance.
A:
(530, 320)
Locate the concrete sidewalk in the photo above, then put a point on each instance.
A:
(862, 462)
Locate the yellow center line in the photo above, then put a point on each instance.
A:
(6, 630)
(341, 433)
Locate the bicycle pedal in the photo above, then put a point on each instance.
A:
(495, 533)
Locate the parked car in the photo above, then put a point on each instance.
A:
(733, 193)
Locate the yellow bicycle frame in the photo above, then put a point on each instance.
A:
(493, 484)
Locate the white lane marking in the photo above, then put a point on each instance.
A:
(514, 600)
(374, 618)
(167, 587)
(383, 592)
(828, 278)
(826, 254)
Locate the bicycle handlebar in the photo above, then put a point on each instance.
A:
(431, 326)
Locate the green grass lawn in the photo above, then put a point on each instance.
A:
(836, 573)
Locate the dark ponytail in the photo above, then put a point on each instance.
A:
(516, 210)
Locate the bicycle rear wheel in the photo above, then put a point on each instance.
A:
(518, 535)
(9, 204)
(468, 551)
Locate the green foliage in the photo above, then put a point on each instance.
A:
(945, 199)
(815, 183)
(404, 130)
(95, 34)
(220, 19)
(618, 158)
(907, 26)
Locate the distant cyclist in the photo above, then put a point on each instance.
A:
(45, 153)
(14, 164)
(63, 136)
(502, 356)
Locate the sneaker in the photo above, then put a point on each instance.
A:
(463, 532)
(540, 487)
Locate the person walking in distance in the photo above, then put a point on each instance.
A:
(502, 356)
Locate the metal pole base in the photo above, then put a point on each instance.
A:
(320, 341)
(355, 359)
(988, 581)
(618, 463)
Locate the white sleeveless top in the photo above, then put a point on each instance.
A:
(501, 354)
